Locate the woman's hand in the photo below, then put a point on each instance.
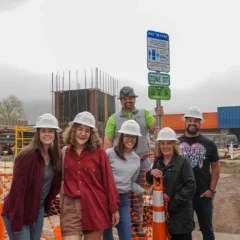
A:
(115, 218)
(166, 197)
(148, 191)
(156, 173)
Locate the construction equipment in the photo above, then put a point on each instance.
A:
(22, 138)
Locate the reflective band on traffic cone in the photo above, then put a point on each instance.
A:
(159, 224)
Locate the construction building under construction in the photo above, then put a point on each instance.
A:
(96, 95)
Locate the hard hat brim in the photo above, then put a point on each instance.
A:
(190, 116)
(89, 125)
(130, 133)
(168, 139)
(59, 130)
(132, 95)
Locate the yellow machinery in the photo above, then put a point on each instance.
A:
(20, 139)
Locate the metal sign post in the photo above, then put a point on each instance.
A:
(159, 118)
(158, 60)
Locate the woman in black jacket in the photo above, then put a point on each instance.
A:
(179, 184)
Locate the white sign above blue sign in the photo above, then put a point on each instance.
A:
(158, 51)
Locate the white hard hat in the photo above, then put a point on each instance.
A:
(47, 120)
(193, 112)
(130, 127)
(85, 118)
(167, 134)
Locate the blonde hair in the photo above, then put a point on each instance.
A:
(176, 148)
(69, 137)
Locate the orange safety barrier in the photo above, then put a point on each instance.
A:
(51, 229)
(2, 229)
(5, 183)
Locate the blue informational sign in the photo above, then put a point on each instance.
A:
(158, 51)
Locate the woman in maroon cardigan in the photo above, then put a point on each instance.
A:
(90, 201)
(36, 182)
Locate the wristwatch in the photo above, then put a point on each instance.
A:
(213, 191)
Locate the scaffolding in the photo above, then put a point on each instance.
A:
(95, 91)
(20, 139)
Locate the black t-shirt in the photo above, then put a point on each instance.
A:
(201, 151)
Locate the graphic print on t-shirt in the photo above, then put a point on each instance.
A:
(196, 153)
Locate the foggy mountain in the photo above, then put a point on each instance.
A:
(34, 90)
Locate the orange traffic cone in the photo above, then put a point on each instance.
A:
(159, 224)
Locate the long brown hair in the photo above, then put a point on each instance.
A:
(69, 137)
(119, 149)
(36, 143)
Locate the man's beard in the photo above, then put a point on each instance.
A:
(128, 105)
(192, 132)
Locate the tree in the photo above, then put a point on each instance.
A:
(11, 108)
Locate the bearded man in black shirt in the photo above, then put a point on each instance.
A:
(203, 156)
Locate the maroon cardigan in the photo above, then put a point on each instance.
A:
(22, 203)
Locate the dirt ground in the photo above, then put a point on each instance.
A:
(226, 217)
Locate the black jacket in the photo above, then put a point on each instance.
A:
(179, 184)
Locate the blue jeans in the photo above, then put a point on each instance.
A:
(124, 225)
(204, 210)
(137, 201)
(32, 232)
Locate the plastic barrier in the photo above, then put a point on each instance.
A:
(2, 229)
(5, 183)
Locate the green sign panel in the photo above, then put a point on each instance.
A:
(159, 93)
(158, 79)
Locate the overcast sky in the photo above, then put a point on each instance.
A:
(39, 37)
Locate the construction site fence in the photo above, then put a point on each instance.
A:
(51, 229)
(7, 123)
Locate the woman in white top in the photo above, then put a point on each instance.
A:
(125, 165)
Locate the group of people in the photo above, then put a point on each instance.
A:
(97, 179)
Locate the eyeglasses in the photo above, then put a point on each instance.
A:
(127, 136)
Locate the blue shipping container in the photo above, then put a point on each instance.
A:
(229, 117)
